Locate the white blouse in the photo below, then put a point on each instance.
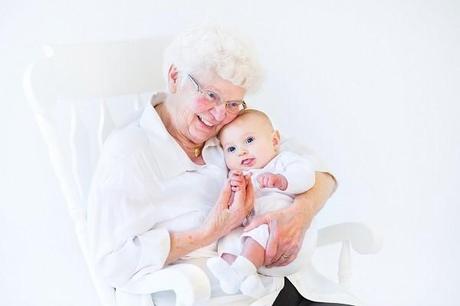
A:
(145, 186)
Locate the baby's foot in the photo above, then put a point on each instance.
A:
(228, 279)
(252, 286)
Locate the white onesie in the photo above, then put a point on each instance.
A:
(300, 175)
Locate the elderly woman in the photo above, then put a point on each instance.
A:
(159, 194)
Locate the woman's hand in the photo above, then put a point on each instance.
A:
(223, 218)
(220, 221)
(287, 226)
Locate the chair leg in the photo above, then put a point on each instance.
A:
(344, 272)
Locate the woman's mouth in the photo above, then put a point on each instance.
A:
(248, 162)
(205, 122)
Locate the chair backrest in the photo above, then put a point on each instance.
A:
(79, 94)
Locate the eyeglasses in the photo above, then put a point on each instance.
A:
(233, 106)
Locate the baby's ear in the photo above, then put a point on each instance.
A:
(276, 139)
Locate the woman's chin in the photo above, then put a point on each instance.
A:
(201, 132)
(201, 137)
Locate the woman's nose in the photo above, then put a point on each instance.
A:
(218, 112)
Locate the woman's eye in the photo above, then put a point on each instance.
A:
(233, 104)
(231, 149)
(249, 139)
(212, 96)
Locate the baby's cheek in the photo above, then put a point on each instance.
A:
(231, 163)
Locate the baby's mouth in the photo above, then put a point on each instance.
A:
(248, 162)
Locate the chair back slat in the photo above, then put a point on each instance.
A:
(75, 127)
(105, 125)
(138, 103)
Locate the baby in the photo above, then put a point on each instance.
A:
(251, 145)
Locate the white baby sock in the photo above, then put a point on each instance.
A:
(240, 275)
(243, 267)
(229, 280)
(251, 284)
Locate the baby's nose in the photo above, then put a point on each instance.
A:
(242, 152)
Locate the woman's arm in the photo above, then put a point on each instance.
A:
(288, 226)
(155, 248)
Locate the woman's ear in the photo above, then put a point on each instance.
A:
(276, 139)
(173, 79)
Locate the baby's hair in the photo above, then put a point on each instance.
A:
(256, 113)
(247, 113)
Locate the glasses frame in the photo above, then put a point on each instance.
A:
(220, 100)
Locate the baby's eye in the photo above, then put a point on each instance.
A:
(250, 139)
(231, 149)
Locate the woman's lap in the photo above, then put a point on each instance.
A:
(289, 296)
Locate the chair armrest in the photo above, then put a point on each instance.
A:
(356, 236)
(189, 283)
(360, 236)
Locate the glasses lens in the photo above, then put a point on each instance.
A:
(235, 106)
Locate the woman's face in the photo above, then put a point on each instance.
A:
(197, 118)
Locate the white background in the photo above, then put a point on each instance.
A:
(373, 86)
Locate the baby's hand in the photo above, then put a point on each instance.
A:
(271, 180)
(237, 181)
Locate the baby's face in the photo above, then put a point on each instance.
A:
(248, 143)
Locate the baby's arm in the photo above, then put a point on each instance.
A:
(237, 181)
(296, 174)
(272, 180)
(298, 171)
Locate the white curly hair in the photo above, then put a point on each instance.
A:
(211, 49)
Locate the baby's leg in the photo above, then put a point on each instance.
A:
(246, 265)
(220, 267)
(253, 251)
(229, 258)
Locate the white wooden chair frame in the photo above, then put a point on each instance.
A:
(106, 70)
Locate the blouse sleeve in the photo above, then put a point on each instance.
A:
(123, 215)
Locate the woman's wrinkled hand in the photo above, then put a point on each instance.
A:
(287, 228)
(223, 217)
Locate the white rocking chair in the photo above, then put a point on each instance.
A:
(79, 93)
